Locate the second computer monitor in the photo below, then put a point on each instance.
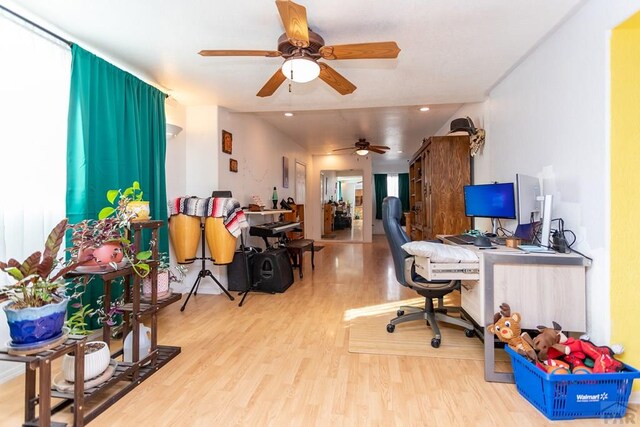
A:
(490, 201)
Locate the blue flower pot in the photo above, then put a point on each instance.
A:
(33, 324)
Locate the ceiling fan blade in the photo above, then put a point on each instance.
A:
(346, 148)
(376, 150)
(274, 83)
(294, 19)
(361, 51)
(380, 147)
(267, 53)
(335, 80)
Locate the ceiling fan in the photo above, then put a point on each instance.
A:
(362, 147)
(301, 48)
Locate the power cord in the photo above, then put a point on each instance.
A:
(560, 242)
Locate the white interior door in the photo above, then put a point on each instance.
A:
(301, 182)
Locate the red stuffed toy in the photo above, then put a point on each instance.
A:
(555, 349)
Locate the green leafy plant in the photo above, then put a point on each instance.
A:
(113, 225)
(176, 274)
(76, 322)
(115, 198)
(39, 281)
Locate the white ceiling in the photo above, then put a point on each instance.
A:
(453, 52)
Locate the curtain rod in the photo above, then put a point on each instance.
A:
(52, 34)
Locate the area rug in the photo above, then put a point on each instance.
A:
(369, 335)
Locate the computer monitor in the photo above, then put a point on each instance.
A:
(528, 192)
(490, 201)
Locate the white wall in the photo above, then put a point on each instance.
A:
(349, 194)
(549, 118)
(258, 148)
(330, 186)
(345, 162)
(176, 160)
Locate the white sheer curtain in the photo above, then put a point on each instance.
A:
(34, 98)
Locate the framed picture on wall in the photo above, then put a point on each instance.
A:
(227, 142)
(285, 172)
(233, 165)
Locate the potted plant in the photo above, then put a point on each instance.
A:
(96, 360)
(165, 277)
(104, 243)
(135, 207)
(38, 304)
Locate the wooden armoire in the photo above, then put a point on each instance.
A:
(437, 174)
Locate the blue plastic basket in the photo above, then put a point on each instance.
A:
(566, 397)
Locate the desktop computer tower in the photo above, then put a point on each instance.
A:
(272, 270)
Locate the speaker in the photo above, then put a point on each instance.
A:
(237, 270)
(272, 270)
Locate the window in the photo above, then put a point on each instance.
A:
(392, 185)
(34, 83)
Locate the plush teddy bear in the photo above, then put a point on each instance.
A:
(506, 327)
(548, 344)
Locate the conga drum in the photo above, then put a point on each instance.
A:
(222, 244)
(184, 231)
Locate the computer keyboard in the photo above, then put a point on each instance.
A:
(462, 239)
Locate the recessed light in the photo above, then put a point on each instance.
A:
(424, 108)
(288, 114)
(399, 151)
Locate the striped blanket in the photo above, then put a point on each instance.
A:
(218, 207)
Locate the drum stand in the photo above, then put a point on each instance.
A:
(204, 272)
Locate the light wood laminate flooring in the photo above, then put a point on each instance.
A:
(283, 360)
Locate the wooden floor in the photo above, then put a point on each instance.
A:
(283, 360)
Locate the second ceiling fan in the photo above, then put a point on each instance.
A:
(362, 147)
(301, 48)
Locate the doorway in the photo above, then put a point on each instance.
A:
(342, 205)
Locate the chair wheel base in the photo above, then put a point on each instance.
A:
(435, 342)
(469, 333)
(391, 328)
(399, 313)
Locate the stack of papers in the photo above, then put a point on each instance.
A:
(536, 249)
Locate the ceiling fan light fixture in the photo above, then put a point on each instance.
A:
(362, 152)
(300, 69)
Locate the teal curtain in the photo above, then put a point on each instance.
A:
(380, 188)
(403, 190)
(116, 135)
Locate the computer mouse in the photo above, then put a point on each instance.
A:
(482, 242)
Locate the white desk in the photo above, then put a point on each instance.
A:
(541, 287)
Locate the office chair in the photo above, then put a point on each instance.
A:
(406, 276)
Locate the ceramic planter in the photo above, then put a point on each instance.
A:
(33, 324)
(163, 284)
(95, 362)
(140, 209)
(102, 256)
